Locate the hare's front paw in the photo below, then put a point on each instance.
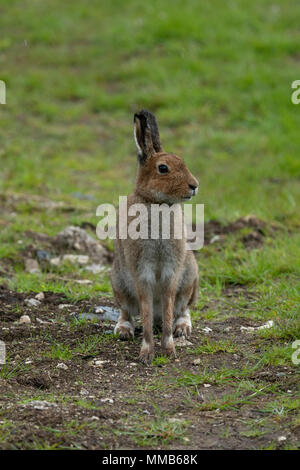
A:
(168, 347)
(183, 326)
(125, 330)
(147, 353)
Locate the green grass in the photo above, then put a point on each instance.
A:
(88, 346)
(160, 431)
(10, 369)
(222, 97)
(212, 347)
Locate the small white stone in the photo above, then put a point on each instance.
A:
(109, 400)
(281, 439)
(24, 319)
(206, 385)
(214, 239)
(95, 268)
(61, 365)
(32, 266)
(182, 341)
(83, 281)
(247, 329)
(196, 362)
(99, 310)
(79, 259)
(32, 302)
(55, 261)
(40, 296)
(94, 418)
(62, 306)
(267, 325)
(207, 330)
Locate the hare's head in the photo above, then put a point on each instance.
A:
(162, 177)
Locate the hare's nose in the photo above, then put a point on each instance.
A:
(193, 187)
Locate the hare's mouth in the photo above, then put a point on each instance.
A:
(187, 198)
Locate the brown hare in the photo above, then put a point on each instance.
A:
(156, 278)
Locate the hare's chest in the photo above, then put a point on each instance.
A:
(157, 263)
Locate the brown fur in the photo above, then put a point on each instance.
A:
(156, 278)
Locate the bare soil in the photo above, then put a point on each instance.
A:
(107, 406)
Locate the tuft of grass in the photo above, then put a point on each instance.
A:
(60, 351)
(160, 431)
(282, 406)
(212, 347)
(160, 361)
(10, 370)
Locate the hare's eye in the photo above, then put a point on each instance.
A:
(163, 169)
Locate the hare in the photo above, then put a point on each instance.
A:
(156, 278)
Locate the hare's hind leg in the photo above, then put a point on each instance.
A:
(183, 324)
(184, 298)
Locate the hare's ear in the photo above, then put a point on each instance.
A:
(146, 135)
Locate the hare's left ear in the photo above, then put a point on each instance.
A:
(146, 135)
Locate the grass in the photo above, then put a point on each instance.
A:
(213, 347)
(89, 346)
(74, 77)
(10, 369)
(160, 431)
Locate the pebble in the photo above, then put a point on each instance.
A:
(32, 302)
(40, 405)
(281, 439)
(55, 261)
(79, 259)
(196, 362)
(182, 341)
(206, 385)
(83, 281)
(95, 268)
(266, 326)
(207, 330)
(214, 239)
(61, 365)
(73, 259)
(40, 296)
(105, 400)
(32, 266)
(24, 319)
